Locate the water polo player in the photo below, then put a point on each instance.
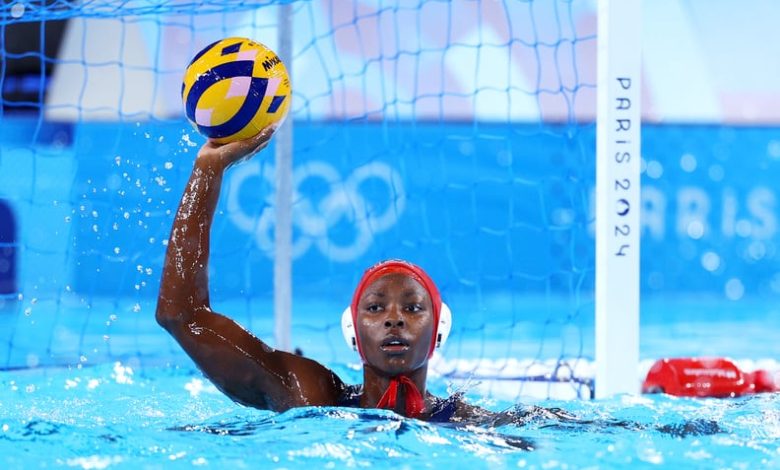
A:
(395, 321)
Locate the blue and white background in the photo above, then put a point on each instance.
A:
(458, 135)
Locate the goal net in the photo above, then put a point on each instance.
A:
(457, 135)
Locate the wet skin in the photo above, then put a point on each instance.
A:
(238, 363)
(395, 329)
(395, 324)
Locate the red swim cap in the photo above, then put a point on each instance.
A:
(397, 266)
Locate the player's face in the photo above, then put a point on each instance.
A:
(395, 324)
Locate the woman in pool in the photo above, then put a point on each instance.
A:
(396, 311)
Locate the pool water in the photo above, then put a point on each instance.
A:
(121, 393)
(110, 416)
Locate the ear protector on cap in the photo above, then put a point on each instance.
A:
(442, 330)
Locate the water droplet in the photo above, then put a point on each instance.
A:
(17, 10)
(734, 289)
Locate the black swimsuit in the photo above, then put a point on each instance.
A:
(442, 412)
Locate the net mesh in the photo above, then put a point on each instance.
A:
(459, 136)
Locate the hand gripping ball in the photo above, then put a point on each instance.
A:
(234, 88)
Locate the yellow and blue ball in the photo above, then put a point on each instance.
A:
(234, 88)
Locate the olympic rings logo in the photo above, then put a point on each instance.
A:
(342, 202)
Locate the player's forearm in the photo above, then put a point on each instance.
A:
(184, 287)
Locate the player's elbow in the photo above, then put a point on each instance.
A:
(163, 318)
(166, 315)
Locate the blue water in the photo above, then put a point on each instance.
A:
(112, 416)
(125, 396)
(129, 398)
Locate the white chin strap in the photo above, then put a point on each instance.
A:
(442, 333)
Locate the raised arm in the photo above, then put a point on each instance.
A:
(239, 364)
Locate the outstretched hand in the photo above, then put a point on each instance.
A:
(226, 155)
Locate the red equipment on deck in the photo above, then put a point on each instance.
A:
(705, 377)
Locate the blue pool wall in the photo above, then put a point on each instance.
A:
(487, 209)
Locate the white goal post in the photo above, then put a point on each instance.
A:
(617, 197)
